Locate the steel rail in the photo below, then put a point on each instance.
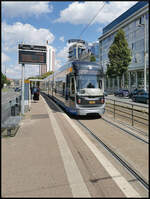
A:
(125, 131)
(134, 173)
(121, 161)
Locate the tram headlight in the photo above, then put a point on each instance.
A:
(102, 100)
(79, 101)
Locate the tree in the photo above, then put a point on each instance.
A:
(119, 56)
(8, 82)
(3, 79)
(92, 58)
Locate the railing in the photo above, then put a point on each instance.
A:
(129, 111)
(10, 115)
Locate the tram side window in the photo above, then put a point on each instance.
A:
(63, 88)
(67, 87)
(67, 81)
(72, 86)
(100, 84)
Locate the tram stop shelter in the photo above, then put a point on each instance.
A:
(27, 91)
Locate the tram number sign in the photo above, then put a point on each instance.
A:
(30, 55)
(91, 72)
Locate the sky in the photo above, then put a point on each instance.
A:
(35, 22)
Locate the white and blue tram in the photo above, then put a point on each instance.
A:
(78, 86)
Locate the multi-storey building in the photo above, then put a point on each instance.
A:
(94, 48)
(50, 61)
(76, 49)
(134, 22)
(50, 58)
(83, 51)
(43, 69)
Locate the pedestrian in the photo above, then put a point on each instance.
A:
(35, 94)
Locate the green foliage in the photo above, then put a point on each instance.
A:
(3, 77)
(42, 76)
(119, 56)
(46, 75)
(92, 58)
(8, 82)
(4, 80)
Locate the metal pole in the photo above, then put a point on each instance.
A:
(129, 81)
(132, 116)
(114, 109)
(5, 69)
(22, 94)
(145, 52)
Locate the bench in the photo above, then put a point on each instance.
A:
(11, 123)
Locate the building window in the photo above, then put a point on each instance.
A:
(111, 82)
(140, 77)
(106, 82)
(133, 79)
(139, 21)
(115, 83)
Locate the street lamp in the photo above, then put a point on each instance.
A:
(144, 25)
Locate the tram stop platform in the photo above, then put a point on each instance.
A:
(47, 158)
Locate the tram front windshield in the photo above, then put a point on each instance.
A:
(88, 81)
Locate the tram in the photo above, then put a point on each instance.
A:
(78, 86)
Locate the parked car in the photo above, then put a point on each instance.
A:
(105, 93)
(135, 92)
(17, 89)
(121, 93)
(142, 96)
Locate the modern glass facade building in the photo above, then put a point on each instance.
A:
(95, 50)
(135, 23)
(76, 50)
(83, 51)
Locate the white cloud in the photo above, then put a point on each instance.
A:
(25, 8)
(14, 72)
(62, 55)
(17, 33)
(83, 12)
(57, 64)
(5, 58)
(61, 39)
(31, 70)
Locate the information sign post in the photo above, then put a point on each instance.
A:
(30, 54)
(22, 90)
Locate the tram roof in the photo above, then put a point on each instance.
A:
(77, 63)
(71, 63)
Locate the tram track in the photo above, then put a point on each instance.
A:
(126, 131)
(117, 157)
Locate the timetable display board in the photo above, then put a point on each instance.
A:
(32, 54)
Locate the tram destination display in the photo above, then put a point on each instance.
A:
(29, 54)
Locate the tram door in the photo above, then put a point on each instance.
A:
(72, 91)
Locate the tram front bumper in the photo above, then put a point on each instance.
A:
(85, 111)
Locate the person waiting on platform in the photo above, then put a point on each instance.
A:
(35, 94)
